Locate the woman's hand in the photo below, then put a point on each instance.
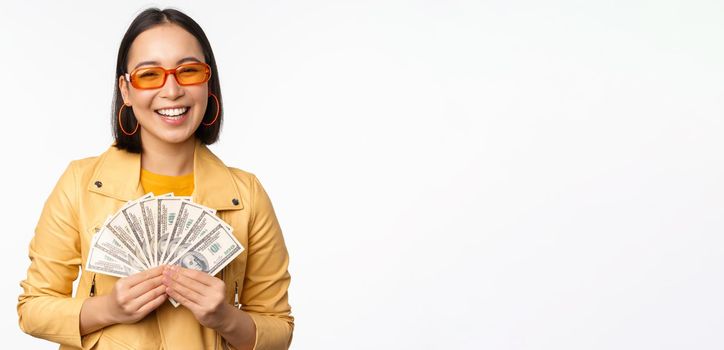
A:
(201, 293)
(135, 296)
(132, 298)
(204, 296)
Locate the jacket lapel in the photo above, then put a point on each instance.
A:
(118, 176)
(214, 184)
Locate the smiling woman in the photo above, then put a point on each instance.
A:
(167, 108)
(168, 112)
(172, 40)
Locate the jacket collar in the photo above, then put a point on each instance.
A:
(118, 175)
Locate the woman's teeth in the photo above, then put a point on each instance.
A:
(172, 112)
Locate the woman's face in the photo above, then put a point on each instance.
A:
(167, 46)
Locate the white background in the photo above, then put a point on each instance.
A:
(448, 174)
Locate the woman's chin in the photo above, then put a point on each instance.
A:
(178, 139)
(172, 138)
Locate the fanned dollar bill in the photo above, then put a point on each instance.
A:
(202, 226)
(188, 213)
(168, 209)
(107, 243)
(134, 219)
(212, 252)
(109, 261)
(156, 230)
(149, 210)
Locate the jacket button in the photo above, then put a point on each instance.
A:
(235, 201)
(98, 184)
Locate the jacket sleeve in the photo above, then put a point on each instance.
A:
(46, 307)
(264, 295)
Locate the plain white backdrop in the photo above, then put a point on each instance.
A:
(448, 174)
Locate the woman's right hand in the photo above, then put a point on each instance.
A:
(135, 296)
(132, 298)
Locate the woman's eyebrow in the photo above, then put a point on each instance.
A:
(156, 63)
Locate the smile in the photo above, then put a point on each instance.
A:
(175, 112)
(173, 116)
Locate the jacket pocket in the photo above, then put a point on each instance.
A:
(108, 342)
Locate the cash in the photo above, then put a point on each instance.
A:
(157, 230)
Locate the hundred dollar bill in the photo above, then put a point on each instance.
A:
(189, 213)
(134, 218)
(105, 241)
(212, 252)
(121, 228)
(168, 209)
(149, 209)
(205, 223)
(102, 262)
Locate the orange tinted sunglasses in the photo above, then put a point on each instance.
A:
(155, 77)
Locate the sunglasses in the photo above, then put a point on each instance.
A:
(155, 77)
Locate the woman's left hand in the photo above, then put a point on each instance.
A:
(201, 293)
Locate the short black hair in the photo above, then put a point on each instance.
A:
(148, 19)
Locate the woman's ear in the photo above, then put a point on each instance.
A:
(123, 86)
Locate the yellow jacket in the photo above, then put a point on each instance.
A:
(90, 190)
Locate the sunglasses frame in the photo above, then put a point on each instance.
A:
(168, 72)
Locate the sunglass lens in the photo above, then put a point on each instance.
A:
(189, 74)
(148, 78)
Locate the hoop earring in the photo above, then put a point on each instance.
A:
(120, 125)
(218, 110)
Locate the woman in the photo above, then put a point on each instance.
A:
(167, 108)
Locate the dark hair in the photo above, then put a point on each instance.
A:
(148, 19)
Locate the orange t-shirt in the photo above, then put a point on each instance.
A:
(182, 185)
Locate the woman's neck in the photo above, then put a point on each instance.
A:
(169, 159)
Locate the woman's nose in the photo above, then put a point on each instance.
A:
(171, 89)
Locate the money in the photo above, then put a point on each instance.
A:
(168, 209)
(134, 218)
(102, 262)
(106, 242)
(204, 224)
(156, 230)
(212, 252)
(149, 210)
(188, 213)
